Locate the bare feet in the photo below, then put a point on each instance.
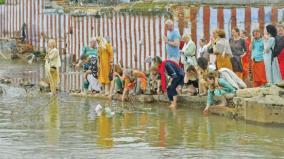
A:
(173, 106)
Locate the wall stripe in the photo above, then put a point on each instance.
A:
(261, 18)
(220, 17)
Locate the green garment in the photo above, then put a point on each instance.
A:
(93, 52)
(226, 88)
(118, 84)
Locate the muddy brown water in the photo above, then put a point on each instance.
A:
(68, 127)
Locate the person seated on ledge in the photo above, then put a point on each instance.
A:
(191, 80)
(154, 81)
(218, 87)
(90, 74)
(117, 82)
(135, 81)
(176, 74)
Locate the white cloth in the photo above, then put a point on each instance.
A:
(232, 78)
(188, 57)
(94, 83)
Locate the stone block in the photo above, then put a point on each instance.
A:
(265, 113)
(223, 111)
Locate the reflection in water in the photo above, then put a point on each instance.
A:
(53, 122)
(104, 131)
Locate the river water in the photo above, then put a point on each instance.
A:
(69, 127)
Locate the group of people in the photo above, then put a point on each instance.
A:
(219, 67)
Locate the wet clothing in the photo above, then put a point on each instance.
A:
(226, 87)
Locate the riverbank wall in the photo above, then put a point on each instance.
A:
(257, 105)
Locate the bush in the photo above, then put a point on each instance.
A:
(2, 1)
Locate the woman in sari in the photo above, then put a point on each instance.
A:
(105, 51)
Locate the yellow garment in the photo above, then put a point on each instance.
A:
(53, 76)
(105, 58)
(223, 62)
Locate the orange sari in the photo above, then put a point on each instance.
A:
(259, 75)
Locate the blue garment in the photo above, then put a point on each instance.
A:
(89, 51)
(173, 70)
(257, 50)
(226, 88)
(272, 69)
(173, 51)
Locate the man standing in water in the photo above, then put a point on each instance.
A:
(172, 41)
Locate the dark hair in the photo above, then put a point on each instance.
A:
(84, 57)
(237, 30)
(271, 29)
(203, 40)
(191, 68)
(202, 63)
(157, 60)
(245, 33)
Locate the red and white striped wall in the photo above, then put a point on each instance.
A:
(133, 36)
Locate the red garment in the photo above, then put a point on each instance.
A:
(246, 59)
(259, 75)
(281, 63)
(161, 70)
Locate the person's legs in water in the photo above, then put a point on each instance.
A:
(172, 91)
(53, 79)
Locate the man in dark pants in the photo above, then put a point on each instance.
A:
(176, 74)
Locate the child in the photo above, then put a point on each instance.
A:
(217, 87)
(191, 80)
(155, 81)
(134, 80)
(202, 71)
(52, 65)
(116, 83)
